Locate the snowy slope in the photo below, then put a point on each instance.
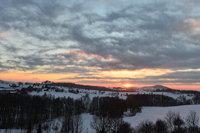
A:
(4, 84)
(66, 93)
(92, 93)
(154, 113)
(154, 88)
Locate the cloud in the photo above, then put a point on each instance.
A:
(2, 35)
(51, 36)
(178, 77)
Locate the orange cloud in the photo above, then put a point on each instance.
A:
(142, 73)
(183, 87)
(29, 77)
(89, 55)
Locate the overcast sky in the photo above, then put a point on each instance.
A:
(101, 42)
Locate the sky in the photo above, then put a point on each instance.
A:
(101, 42)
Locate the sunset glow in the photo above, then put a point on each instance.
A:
(127, 85)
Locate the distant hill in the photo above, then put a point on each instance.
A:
(4, 84)
(79, 86)
(154, 88)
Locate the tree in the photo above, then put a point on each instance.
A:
(182, 99)
(67, 123)
(29, 130)
(178, 123)
(106, 124)
(196, 99)
(160, 126)
(170, 119)
(98, 124)
(145, 127)
(86, 101)
(125, 128)
(39, 130)
(192, 121)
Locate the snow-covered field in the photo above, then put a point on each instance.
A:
(148, 113)
(155, 113)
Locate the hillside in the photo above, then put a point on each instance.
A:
(155, 113)
(154, 88)
(20, 85)
(76, 91)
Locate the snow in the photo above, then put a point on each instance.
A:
(87, 118)
(56, 94)
(4, 85)
(155, 113)
(12, 131)
(95, 93)
(55, 126)
(66, 94)
(153, 88)
(169, 94)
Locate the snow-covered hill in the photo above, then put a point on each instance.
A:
(76, 91)
(5, 85)
(154, 88)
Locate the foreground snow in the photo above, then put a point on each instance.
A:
(148, 113)
(155, 113)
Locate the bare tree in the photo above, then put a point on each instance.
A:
(86, 101)
(106, 124)
(145, 127)
(178, 124)
(170, 119)
(160, 127)
(98, 123)
(126, 128)
(192, 120)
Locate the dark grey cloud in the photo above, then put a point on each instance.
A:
(180, 77)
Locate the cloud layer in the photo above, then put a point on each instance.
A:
(89, 37)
